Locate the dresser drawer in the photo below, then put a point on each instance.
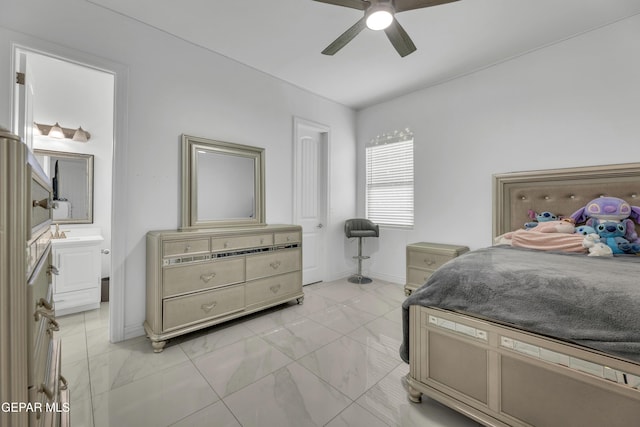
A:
(47, 391)
(40, 204)
(288, 238)
(194, 277)
(273, 288)
(277, 262)
(182, 311)
(220, 244)
(185, 247)
(426, 260)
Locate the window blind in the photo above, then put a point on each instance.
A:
(389, 193)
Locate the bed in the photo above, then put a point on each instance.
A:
(523, 338)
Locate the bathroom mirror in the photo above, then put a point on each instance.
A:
(71, 177)
(222, 184)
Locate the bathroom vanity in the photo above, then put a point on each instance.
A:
(77, 286)
(197, 279)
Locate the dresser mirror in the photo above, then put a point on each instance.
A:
(222, 184)
(71, 176)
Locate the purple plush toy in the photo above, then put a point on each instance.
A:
(610, 209)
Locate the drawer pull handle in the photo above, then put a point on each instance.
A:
(44, 204)
(47, 392)
(208, 307)
(275, 288)
(44, 303)
(64, 384)
(275, 265)
(43, 312)
(429, 261)
(53, 327)
(53, 270)
(206, 277)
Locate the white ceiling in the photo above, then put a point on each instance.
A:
(284, 38)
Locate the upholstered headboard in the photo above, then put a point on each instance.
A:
(561, 191)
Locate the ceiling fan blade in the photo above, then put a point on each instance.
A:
(354, 4)
(400, 39)
(345, 37)
(402, 5)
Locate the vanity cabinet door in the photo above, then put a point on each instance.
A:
(75, 269)
(77, 285)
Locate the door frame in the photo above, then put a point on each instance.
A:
(119, 192)
(298, 122)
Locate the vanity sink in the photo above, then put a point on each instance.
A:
(76, 236)
(77, 239)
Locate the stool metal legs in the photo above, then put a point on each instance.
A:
(358, 277)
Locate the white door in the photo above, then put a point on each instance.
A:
(24, 94)
(310, 196)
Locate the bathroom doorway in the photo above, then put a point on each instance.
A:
(76, 91)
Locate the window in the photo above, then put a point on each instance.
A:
(389, 169)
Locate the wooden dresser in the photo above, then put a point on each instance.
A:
(197, 279)
(424, 258)
(32, 389)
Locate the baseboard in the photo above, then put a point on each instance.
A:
(133, 331)
(387, 278)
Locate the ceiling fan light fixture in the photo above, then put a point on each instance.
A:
(379, 17)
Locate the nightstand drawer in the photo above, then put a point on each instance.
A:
(426, 260)
(190, 309)
(418, 277)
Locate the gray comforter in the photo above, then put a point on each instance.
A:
(591, 301)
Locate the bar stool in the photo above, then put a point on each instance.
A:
(360, 227)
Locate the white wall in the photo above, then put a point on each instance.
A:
(575, 103)
(175, 88)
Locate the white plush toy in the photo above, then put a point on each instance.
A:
(595, 246)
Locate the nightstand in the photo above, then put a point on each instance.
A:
(424, 258)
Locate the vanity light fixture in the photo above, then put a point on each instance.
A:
(59, 132)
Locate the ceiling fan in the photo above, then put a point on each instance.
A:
(379, 15)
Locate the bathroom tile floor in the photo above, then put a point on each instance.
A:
(332, 361)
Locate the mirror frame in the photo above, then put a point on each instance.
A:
(190, 147)
(90, 190)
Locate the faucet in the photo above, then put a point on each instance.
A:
(59, 234)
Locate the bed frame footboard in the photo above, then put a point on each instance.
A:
(500, 376)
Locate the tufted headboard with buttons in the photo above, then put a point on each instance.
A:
(560, 191)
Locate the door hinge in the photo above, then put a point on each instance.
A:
(20, 78)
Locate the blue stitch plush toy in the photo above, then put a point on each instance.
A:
(585, 230)
(539, 217)
(611, 233)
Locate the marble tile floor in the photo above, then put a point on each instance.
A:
(332, 361)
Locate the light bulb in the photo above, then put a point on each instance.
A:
(379, 20)
(56, 131)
